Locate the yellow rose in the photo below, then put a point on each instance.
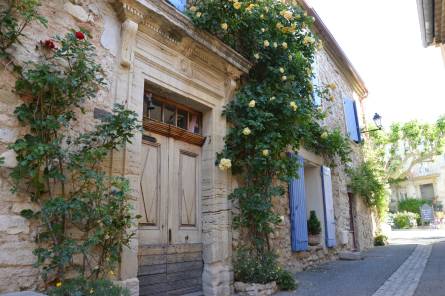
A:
(284, 45)
(290, 57)
(308, 39)
(225, 164)
(193, 8)
(287, 14)
(279, 26)
(59, 284)
(324, 135)
(246, 131)
(272, 98)
(265, 152)
(237, 5)
(224, 26)
(91, 291)
(284, 77)
(257, 56)
(293, 105)
(281, 70)
(250, 7)
(252, 104)
(332, 86)
(263, 30)
(266, 43)
(275, 45)
(198, 14)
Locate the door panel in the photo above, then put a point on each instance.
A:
(185, 196)
(153, 191)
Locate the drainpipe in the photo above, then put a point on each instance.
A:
(425, 9)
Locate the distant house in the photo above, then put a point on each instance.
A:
(432, 23)
(425, 181)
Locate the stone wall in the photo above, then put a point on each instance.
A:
(17, 233)
(297, 261)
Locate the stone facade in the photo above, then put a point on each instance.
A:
(150, 44)
(363, 227)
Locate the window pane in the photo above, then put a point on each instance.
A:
(156, 113)
(182, 119)
(195, 124)
(170, 114)
(427, 191)
(181, 5)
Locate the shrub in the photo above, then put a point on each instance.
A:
(412, 205)
(405, 220)
(380, 240)
(313, 224)
(367, 182)
(262, 269)
(81, 286)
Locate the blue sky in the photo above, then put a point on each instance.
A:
(382, 40)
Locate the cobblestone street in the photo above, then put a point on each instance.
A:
(412, 265)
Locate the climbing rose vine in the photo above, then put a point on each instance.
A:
(274, 111)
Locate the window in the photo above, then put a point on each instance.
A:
(169, 112)
(315, 82)
(180, 5)
(427, 191)
(351, 118)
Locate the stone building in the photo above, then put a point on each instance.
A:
(425, 181)
(432, 23)
(178, 79)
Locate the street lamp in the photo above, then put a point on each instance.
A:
(377, 122)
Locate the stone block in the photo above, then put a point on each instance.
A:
(76, 11)
(13, 224)
(248, 289)
(17, 253)
(347, 255)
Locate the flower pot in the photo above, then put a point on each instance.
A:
(314, 239)
(252, 289)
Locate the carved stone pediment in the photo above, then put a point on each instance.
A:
(167, 25)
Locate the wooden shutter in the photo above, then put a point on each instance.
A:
(297, 205)
(315, 82)
(352, 123)
(328, 206)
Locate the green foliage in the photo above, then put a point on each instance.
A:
(380, 240)
(408, 144)
(274, 111)
(82, 286)
(367, 182)
(412, 205)
(405, 220)
(313, 224)
(84, 213)
(261, 268)
(15, 16)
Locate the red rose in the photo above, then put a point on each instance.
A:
(80, 35)
(49, 44)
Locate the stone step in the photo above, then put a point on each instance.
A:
(348, 255)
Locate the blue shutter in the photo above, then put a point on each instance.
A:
(297, 205)
(315, 96)
(352, 123)
(181, 5)
(328, 204)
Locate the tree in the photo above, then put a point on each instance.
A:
(405, 145)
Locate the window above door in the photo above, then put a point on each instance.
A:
(172, 119)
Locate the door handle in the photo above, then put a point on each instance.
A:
(169, 236)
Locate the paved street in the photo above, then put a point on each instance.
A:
(413, 265)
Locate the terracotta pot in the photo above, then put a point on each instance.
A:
(314, 239)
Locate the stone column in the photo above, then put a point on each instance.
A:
(126, 162)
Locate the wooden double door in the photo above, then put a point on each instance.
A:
(170, 250)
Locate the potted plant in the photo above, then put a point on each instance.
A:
(314, 229)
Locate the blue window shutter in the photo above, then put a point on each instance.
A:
(328, 204)
(351, 117)
(315, 82)
(297, 205)
(357, 123)
(180, 5)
